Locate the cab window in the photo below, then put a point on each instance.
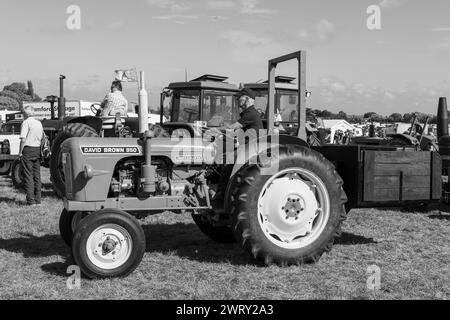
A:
(219, 109)
(186, 106)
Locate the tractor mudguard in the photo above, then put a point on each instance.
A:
(404, 137)
(93, 122)
(265, 144)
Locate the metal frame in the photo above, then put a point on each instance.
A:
(301, 58)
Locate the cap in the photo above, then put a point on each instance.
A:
(246, 92)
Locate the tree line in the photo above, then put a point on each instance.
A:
(313, 114)
(14, 95)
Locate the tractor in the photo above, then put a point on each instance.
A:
(207, 100)
(281, 200)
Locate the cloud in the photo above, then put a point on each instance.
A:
(324, 31)
(440, 29)
(171, 5)
(335, 95)
(221, 5)
(251, 7)
(248, 48)
(178, 18)
(391, 4)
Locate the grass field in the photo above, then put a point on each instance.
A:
(411, 249)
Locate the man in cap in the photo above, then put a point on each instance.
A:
(250, 118)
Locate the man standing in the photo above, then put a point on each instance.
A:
(115, 102)
(31, 135)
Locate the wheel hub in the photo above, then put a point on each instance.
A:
(293, 207)
(109, 246)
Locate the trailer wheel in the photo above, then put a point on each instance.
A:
(222, 234)
(108, 243)
(72, 130)
(293, 215)
(5, 166)
(17, 174)
(68, 221)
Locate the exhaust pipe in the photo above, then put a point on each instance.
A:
(61, 99)
(442, 119)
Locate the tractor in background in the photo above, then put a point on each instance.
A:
(204, 102)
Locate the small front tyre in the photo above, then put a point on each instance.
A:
(108, 243)
(68, 222)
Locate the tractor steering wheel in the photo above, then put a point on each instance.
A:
(95, 110)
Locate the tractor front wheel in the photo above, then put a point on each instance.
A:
(291, 212)
(108, 243)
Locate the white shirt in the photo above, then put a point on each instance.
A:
(113, 103)
(32, 132)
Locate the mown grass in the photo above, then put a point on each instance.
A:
(412, 250)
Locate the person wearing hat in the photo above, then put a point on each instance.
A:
(250, 118)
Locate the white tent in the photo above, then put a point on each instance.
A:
(335, 125)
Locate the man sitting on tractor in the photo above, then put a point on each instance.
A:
(114, 102)
(250, 117)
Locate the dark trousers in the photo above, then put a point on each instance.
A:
(31, 163)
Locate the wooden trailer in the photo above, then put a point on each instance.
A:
(386, 177)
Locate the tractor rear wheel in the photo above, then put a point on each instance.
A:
(219, 234)
(72, 130)
(17, 174)
(292, 213)
(108, 243)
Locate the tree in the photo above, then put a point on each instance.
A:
(326, 114)
(9, 103)
(396, 117)
(16, 93)
(407, 117)
(369, 115)
(310, 115)
(342, 115)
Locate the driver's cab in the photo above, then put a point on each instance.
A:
(286, 103)
(206, 102)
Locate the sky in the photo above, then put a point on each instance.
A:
(403, 67)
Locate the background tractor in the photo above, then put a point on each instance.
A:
(280, 199)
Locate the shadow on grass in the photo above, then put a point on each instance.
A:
(13, 200)
(349, 239)
(35, 247)
(58, 269)
(187, 241)
(440, 217)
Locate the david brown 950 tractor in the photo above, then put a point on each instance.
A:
(282, 201)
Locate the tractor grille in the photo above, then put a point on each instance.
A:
(67, 165)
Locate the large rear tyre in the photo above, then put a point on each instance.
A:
(17, 174)
(56, 168)
(292, 215)
(219, 234)
(68, 222)
(109, 243)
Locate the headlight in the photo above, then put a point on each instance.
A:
(88, 172)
